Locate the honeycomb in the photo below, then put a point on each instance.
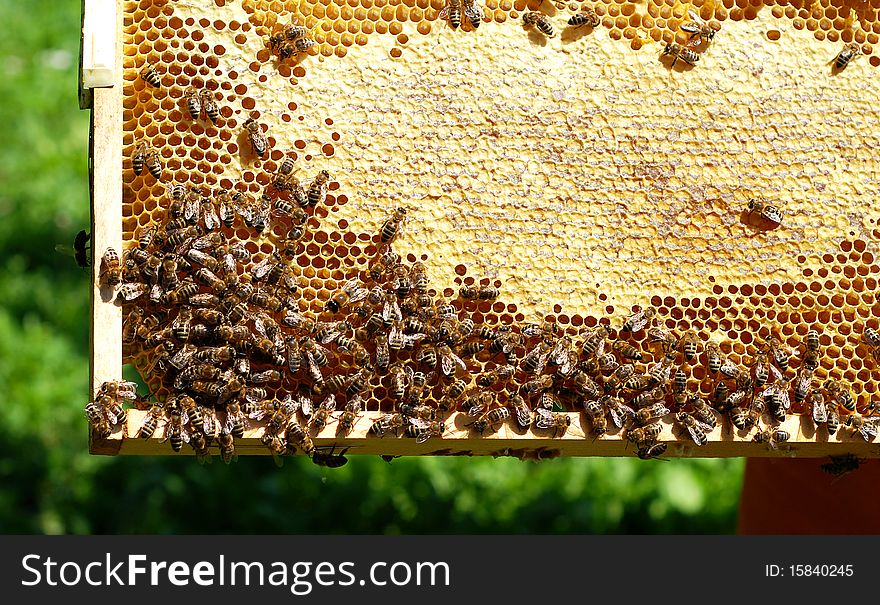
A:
(519, 172)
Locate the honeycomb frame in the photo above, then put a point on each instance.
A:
(789, 308)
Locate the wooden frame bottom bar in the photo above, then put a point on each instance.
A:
(460, 440)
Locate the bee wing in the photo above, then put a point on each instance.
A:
(262, 269)
(314, 368)
(419, 423)
(305, 406)
(391, 311)
(691, 27)
(329, 403)
(618, 417)
(210, 216)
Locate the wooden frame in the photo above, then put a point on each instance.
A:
(106, 362)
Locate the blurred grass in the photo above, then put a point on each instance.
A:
(52, 485)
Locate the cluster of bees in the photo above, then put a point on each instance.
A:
(230, 344)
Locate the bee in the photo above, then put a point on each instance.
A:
(538, 384)
(652, 451)
(209, 105)
(193, 102)
(351, 413)
(321, 417)
(818, 409)
(257, 139)
(720, 397)
(644, 435)
(448, 360)
(540, 21)
(696, 429)
(387, 423)
(279, 45)
(677, 51)
(297, 436)
(587, 16)
(150, 160)
(391, 227)
(689, 342)
(866, 427)
(620, 376)
(452, 12)
(594, 343)
(619, 412)
(832, 422)
(762, 369)
(584, 385)
(199, 443)
(175, 429)
(236, 421)
(811, 341)
(638, 320)
(151, 76)
(778, 400)
(521, 411)
(80, 250)
(596, 412)
(111, 270)
(299, 36)
(772, 437)
(226, 442)
(840, 395)
(318, 189)
(743, 419)
(475, 404)
(700, 30)
(350, 292)
(491, 419)
(330, 459)
(358, 382)
(478, 292)
(644, 415)
(841, 465)
(151, 422)
(803, 383)
(714, 356)
(400, 378)
(422, 430)
(767, 212)
(545, 419)
(849, 52)
(139, 158)
(453, 393)
(473, 12)
(703, 412)
(536, 359)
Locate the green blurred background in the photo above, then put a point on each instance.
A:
(50, 484)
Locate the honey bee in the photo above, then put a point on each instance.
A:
(677, 51)
(619, 412)
(139, 158)
(199, 443)
(209, 105)
(152, 162)
(538, 384)
(449, 360)
(257, 139)
(175, 429)
(849, 52)
(545, 419)
(387, 423)
(587, 16)
(279, 45)
(298, 437)
(536, 359)
(318, 189)
(422, 430)
(298, 35)
(620, 376)
(832, 422)
(703, 412)
(236, 421)
(649, 452)
(540, 21)
(193, 102)
(818, 410)
(351, 413)
(644, 435)
(491, 419)
(839, 394)
(475, 404)
(350, 292)
(452, 12)
(453, 393)
(841, 465)
(594, 343)
(596, 413)
(400, 378)
(521, 411)
(866, 427)
(473, 12)
(696, 429)
(330, 459)
(626, 350)
(151, 422)
(772, 437)
(584, 385)
(638, 320)
(689, 342)
(714, 356)
(803, 383)
(151, 76)
(391, 227)
(323, 414)
(700, 30)
(645, 415)
(767, 212)
(79, 250)
(111, 270)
